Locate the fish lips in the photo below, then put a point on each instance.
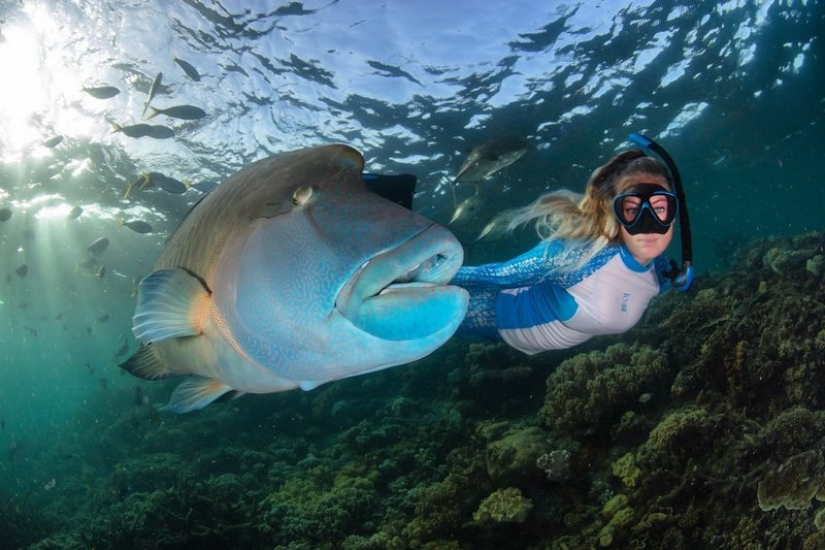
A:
(402, 293)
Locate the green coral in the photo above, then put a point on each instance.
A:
(618, 515)
(626, 469)
(676, 431)
(504, 505)
(513, 457)
(794, 484)
(592, 389)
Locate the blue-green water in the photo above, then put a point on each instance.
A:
(734, 90)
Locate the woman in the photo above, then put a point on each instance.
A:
(596, 269)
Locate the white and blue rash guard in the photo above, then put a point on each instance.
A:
(534, 306)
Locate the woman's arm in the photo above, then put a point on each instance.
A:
(532, 267)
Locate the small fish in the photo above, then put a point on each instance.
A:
(138, 226)
(98, 246)
(53, 142)
(488, 158)
(22, 271)
(30, 330)
(170, 185)
(100, 273)
(183, 112)
(495, 226)
(5, 214)
(145, 130)
(74, 213)
(152, 91)
(102, 92)
(103, 318)
(466, 210)
(190, 71)
(88, 267)
(121, 351)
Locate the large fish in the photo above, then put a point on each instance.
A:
(292, 274)
(488, 158)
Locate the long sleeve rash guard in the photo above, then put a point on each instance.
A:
(534, 304)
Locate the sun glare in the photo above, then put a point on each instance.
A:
(33, 105)
(21, 94)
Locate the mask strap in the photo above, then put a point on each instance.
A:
(684, 277)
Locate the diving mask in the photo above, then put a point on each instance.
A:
(646, 208)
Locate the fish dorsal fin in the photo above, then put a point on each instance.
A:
(145, 364)
(172, 303)
(195, 394)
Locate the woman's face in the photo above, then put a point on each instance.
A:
(644, 247)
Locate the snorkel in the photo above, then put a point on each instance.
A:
(681, 278)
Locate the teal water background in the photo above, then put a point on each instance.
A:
(734, 90)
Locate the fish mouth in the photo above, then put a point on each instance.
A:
(403, 293)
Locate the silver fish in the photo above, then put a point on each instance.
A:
(98, 246)
(488, 158)
(190, 71)
(153, 90)
(183, 112)
(102, 92)
(145, 130)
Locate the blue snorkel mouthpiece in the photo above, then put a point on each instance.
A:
(682, 278)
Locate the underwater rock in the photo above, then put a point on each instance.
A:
(514, 456)
(793, 484)
(504, 505)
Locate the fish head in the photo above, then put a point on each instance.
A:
(336, 281)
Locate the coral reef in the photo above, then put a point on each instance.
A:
(504, 505)
(703, 427)
(593, 389)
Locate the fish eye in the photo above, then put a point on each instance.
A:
(302, 195)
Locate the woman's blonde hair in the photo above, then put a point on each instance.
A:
(585, 223)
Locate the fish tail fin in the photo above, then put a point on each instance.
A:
(153, 114)
(116, 127)
(145, 364)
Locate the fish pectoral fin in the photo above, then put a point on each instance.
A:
(145, 364)
(172, 303)
(195, 394)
